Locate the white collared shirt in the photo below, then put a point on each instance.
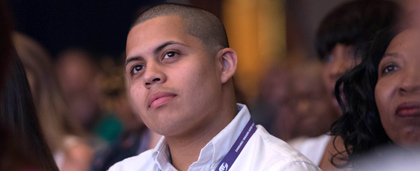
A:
(262, 152)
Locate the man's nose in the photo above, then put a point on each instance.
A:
(153, 75)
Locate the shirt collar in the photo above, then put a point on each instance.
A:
(215, 149)
(161, 154)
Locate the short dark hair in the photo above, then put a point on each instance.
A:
(360, 125)
(198, 22)
(354, 23)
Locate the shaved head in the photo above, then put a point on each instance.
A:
(197, 22)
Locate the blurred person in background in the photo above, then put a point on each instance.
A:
(64, 136)
(136, 137)
(292, 101)
(341, 39)
(80, 75)
(312, 113)
(272, 103)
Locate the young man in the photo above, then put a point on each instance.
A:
(179, 70)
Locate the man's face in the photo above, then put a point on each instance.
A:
(173, 81)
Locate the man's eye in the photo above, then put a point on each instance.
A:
(169, 55)
(136, 69)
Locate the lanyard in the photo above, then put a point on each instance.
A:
(236, 149)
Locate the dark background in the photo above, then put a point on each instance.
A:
(99, 26)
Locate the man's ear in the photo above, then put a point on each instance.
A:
(228, 60)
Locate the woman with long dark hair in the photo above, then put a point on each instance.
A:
(19, 116)
(23, 145)
(380, 98)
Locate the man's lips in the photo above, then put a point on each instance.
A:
(159, 98)
(408, 109)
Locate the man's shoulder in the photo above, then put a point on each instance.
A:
(139, 162)
(273, 151)
(276, 145)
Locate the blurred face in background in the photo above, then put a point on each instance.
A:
(79, 78)
(341, 59)
(397, 92)
(313, 111)
(296, 97)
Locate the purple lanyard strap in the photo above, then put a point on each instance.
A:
(236, 149)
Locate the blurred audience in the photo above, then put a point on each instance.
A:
(292, 101)
(312, 113)
(272, 102)
(115, 102)
(64, 136)
(79, 76)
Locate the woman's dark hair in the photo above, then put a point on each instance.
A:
(18, 114)
(354, 23)
(360, 126)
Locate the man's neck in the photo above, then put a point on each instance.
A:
(184, 154)
(185, 150)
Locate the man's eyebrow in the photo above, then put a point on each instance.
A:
(157, 50)
(131, 59)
